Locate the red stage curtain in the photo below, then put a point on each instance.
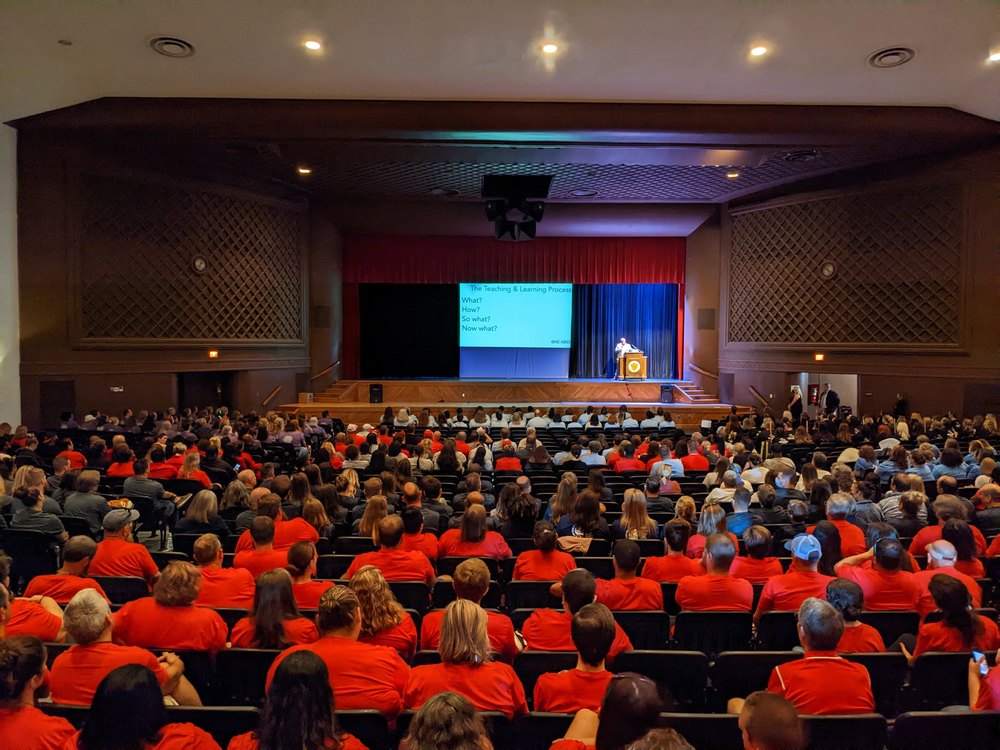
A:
(401, 259)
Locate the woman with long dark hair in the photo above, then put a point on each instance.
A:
(828, 537)
(631, 708)
(274, 621)
(298, 713)
(23, 679)
(545, 562)
(472, 539)
(959, 533)
(586, 520)
(960, 628)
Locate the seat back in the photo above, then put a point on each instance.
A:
(517, 546)
(706, 731)
(529, 665)
(231, 615)
(713, 632)
(76, 526)
(670, 605)
(354, 545)
(778, 631)
(163, 559)
(859, 732)
(538, 730)
(123, 589)
(32, 553)
(369, 726)
(646, 629)
(412, 595)
(938, 680)
(185, 543)
(920, 730)
(891, 625)
(736, 674)
(682, 675)
(242, 673)
(887, 672)
(530, 594)
(333, 566)
(601, 567)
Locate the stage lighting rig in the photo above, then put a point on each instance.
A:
(513, 206)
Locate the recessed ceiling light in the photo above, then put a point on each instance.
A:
(171, 46)
(302, 169)
(758, 51)
(312, 44)
(583, 193)
(443, 192)
(550, 48)
(732, 174)
(891, 57)
(994, 57)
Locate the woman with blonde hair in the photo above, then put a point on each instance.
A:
(467, 666)
(711, 521)
(202, 517)
(375, 510)
(384, 622)
(563, 500)
(902, 429)
(274, 621)
(314, 514)
(347, 485)
(31, 477)
(191, 469)
(236, 495)
(447, 720)
(686, 509)
(635, 522)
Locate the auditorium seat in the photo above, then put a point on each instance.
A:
(529, 665)
(517, 546)
(601, 567)
(164, 558)
(415, 595)
(231, 615)
(858, 732)
(538, 730)
(333, 566)
(778, 631)
(369, 726)
(670, 605)
(354, 545)
(32, 555)
(123, 589)
(530, 594)
(647, 629)
(713, 632)
(924, 730)
(736, 674)
(426, 656)
(887, 673)
(76, 526)
(937, 680)
(683, 673)
(184, 543)
(242, 673)
(892, 624)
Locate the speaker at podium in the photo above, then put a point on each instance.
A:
(632, 366)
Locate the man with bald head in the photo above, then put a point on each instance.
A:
(413, 497)
(941, 557)
(396, 563)
(247, 478)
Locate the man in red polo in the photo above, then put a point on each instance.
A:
(396, 564)
(803, 579)
(263, 557)
(119, 554)
(716, 590)
(415, 539)
(71, 577)
(821, 683)
(946, 507)
(286, 533)
(941, 557)
(852, 538)
(221, 587)
(593, 631)
(885, 585)
(627, 590)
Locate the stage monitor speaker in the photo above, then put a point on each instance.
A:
(666, 393)
(375, 393)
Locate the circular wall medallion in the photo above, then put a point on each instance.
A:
(199, 264)
(828, 270)
(634, 366)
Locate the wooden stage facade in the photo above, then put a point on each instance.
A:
(349, 399)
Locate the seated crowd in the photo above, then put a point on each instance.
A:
(753, 518)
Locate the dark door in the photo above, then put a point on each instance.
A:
(205, 389)
(56, 396)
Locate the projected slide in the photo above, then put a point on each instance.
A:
(522, 316)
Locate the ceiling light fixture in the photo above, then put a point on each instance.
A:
(583, 193)
(891, 57)
(303, 170)
(758, 51)
(550, 48)
(443, 192)
(732, 174)
(171, 46)
(994, 57)
(313, 45)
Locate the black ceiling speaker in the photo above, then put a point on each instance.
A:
(513, 206)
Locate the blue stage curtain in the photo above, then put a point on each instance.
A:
(645, 314)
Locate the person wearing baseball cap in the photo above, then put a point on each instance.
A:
(119, 554)
(941, 558)
(801, 581)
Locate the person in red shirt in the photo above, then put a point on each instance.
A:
(275, 621)
(946, 508)
(593, 631)
(627, 590)
(692, 462)
(852, 538)
(821, 683)
(362, 676)
(144, 723)
(467, 667)
(158, 466)
(169, 618)
(220, 587)
(941, 556)
(674, 565)
(627, 461)
(119, 554)
(886, 586)
(307, 590)
(286, 532)
(302, 681)
(395, 563)
(384, 622)
(77, 671)
(984, 689)
(472, 581)
(716, 590)
(24, 679)
(71, 577)
(858, 638)
(630, 709)
(960, 630)
(545, 562)
(415, 539)
(803, 579)
(508, 460)
(472, 539)
(191, 469)
(263, 557)
(712, 520)
(771, 722)
(121, 463)
(551, 630)
(959, 533)
(76, 459)
(758, 566)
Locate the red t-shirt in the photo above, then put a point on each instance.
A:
(507, 463)
(936, 636)
(493, 545)
(173, 737)
(989, 690)
(565, 744)
(116, 557)
(754, 570)
(930, 534)
(61, 587)
(715, 593)
(852, 538)
(696, 545)
(402, 638)
(824, 683)
(426, 543)
(499, 628)
(671, 568)
(249, 742)
(123, 469)
(569, 691)
(396, 565)
(973, 568)
(259, 562)
(694, 462)
(146, 622)
(163, 470)
(629, 464)
(994, 548)
(29, 728)
(76, 459)
(297, 631)
(787, 592)
(923, 578)
(286, 533)
(226, 588)
(307, 595)
(361, 675)
(78, 671)
(492, 686)
(633, 593)
(549, 630)
(28, 618)
(860, 639)
(883, 589)
(534, 565)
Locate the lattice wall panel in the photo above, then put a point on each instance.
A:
(138, 280)
(898, 261)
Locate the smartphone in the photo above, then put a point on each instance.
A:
(984, 667)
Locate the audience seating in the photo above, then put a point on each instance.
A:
(32, 553)
(736, 674)
(778, 631)
(78, 527)
(163, 558)
(241, 673)
(713, 632)
(646, 629)
(938, 680)
(529, 665)
(333, 566)
(185, 543)
(368, 726)
(928, 730)
(682, 674)
(538, 730)
(530, 595)
(354, 545)
(891, 625)
(123, 589)
(888, 673)
(413, 595)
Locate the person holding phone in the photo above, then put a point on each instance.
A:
(984, 684)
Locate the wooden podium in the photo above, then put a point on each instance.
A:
(632, 366)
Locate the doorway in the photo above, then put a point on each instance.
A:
(200, 389)
(811, 383)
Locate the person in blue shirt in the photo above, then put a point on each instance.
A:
(952, 465)
(898, 462)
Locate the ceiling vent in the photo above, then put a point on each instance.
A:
(171, 46)
(891, 57)
(801, 155)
